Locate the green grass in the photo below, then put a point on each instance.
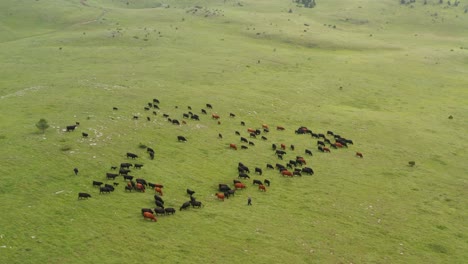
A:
(402, 72)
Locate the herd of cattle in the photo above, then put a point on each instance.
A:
(294, 167)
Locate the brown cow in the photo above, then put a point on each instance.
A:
(359, 154)
(149, 216)
(140, 187)
(250, 130)
(262, 187)
(239, 185)
(287, 173)
(265, 126)
(215, 116)
(283, 146)
(233, 146)
(279, 128)
(220, 196)
(158, 190)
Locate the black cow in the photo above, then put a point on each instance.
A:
(83, 195)
(159, 203)
(320, 148)
(259, 182)
(257, 132)
(269, 166)
(244, 147)
(85, 135)
(330, 133)
(97, 183)
(320, 143)
(71, 128)
(185, 115)
(308, 170)
(155, 101)
(231, 192)
(236, 181)
(151, 154)
(169, 210)
(244, 176)
(146, 108)
(297, 173)
(258, 170)
(131, 155)
(314, 135)
(308, 152)
(190, 192)
(223, 187)
(115, 108)
(279, 156)
(128, 188)
(104, 190)
(292, 147)
(220, 136)
(237, 133)
(149, 150)
(159, 211)
(128, 177)
(242, 123)
(138, 166)
(158, 198)
(253, 135)
(75, 170)
(113, 167)
(209, 106)
(146, 210)
(185, 206)
(111, 176)
(243, 139)
(135, 117)
(142, 181)
(110, 187)
(115, 183)
(267, 182)
(196, 204)
(125, 165)
(232, 115)
(280, 152)
(203, 111)
(175, 122)
(264, 138)
(195, 117)
(123, 171)
(181, 138)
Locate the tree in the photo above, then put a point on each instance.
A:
(42, 125)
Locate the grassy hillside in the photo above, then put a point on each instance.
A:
(383, 74)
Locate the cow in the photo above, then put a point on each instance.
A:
(175, 122)
(159, 210)
(169, 210)
(292, 147)
(220, 196)
(85, 135)
(184, 115)
(264, 138)
(148, 215)
(112, 176)
(325, 149)
(230, 192)
(320, 135)
(110, 187)
(115, 183)
(165, 115)
(314, 135)
(138, 166)
(75, 170)
(280, 167)
(153, 185)
(333, 146)
(258, 170)
(280, 128)
(128, 188)
(151, 154)
(71, 128)
(215, 116)
(140, 187)
(237, 133)
(257, 182)
(320, 148)
(96, 183)
(253, 135)
(283, 146)
(269, 166)
(243, 139)
(115, 108)
(190, 192)
(287, 173)
(142, 181)
(155, 113)
(244, 147)
(223, 187)
(244, 176)
(242, 123)
(250, 130)
(209, 106)
(266, 130)
(297, 173)
(262, 187)
(232, 115)
(113, 167)
(148, 118)
(220, 135)
(155, 101)
(104, 190)
(196, 204)
(330, 133)
(266, 182)
(181, 139)
(233, 146)
(308, 170)
(185, 206)
(128, 177)
(146, 108)
(135, 117)
(132, 155)
(300, 160)
(148, 210)
(251, 143)
(411, 163)
(320, 143)
(273, 146)
(195, 117)
(280, 152)
(359, 154)
(158, 190)
(83, 195)
(239, 185)
(125, 165)
(307, 151)
(326, 140)
(235, 181)
(158, 198)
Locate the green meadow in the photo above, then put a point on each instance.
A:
(384, 74)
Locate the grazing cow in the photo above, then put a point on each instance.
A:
(289, 165)
(273, 146)
(327, 141)
(235, 181)
(71, 128)
(359, 154)
(125, 165)
(203, 111)
(244, 176)
(190, 192)
(159, 203)
(196, 204)
(314, 135)
(258, 170)
(325, 149)
(209, 106)
(158, 198)
(220, 196)
(320, 135)
(266, 182)
(148, 118)
(287, 173)
(280, 128)
(308, 170)
(104, 190)
(181, 139)
(283, 146)
(128, 177)
(300, 160)
(280, 152)
(148, 210)
(169, 210)
(230, 192)
(131, 155)
(215, 116)
(115, 108)
(146, 108)
(244, 147)
(185, 206)
(165, 115)
(158, 190)
(151, 155)
(251, 143)
(269, 166)
(83, 195)
(128, 188)
(266, 130)
(220, 136)
(250, 130)
(330, 133)
(195, 117)
(113, 167)
(115, 183)
(85, 135)
(292, 147)
(232, 115)
(148, 215)
(320, 143)
(237, 133)
(233, 146)
(257, 182)
(75, 170)
(297, 173)
(111, 176)
(280, 167)
(308, 152)
(135, 117)
(411, 163)
(242, 123)
(175, 122)
(293, 162)
(253, 135)
(320, 148)
(264, 126)
(155, 101)
(184, 115)
(264, 138)
(159, 211)
(97, 183)
(223, 187)
(262, 187)
(138, 166)
(239, 185)
(243, 139)
(334, 146)
(155, 113)
(140, 187)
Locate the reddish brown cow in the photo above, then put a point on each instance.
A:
(140, 187)
(279, 128)
(158, 190)
(283, 146)
(239, 185)
(215, 116)
(233, 146)
(286, 173)
(265, 126)
(301, 160)
(262, 187)
(250, 130)
(359, 154)
(338, 144)
(220, 196)
(149, 216)
(325, 149)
